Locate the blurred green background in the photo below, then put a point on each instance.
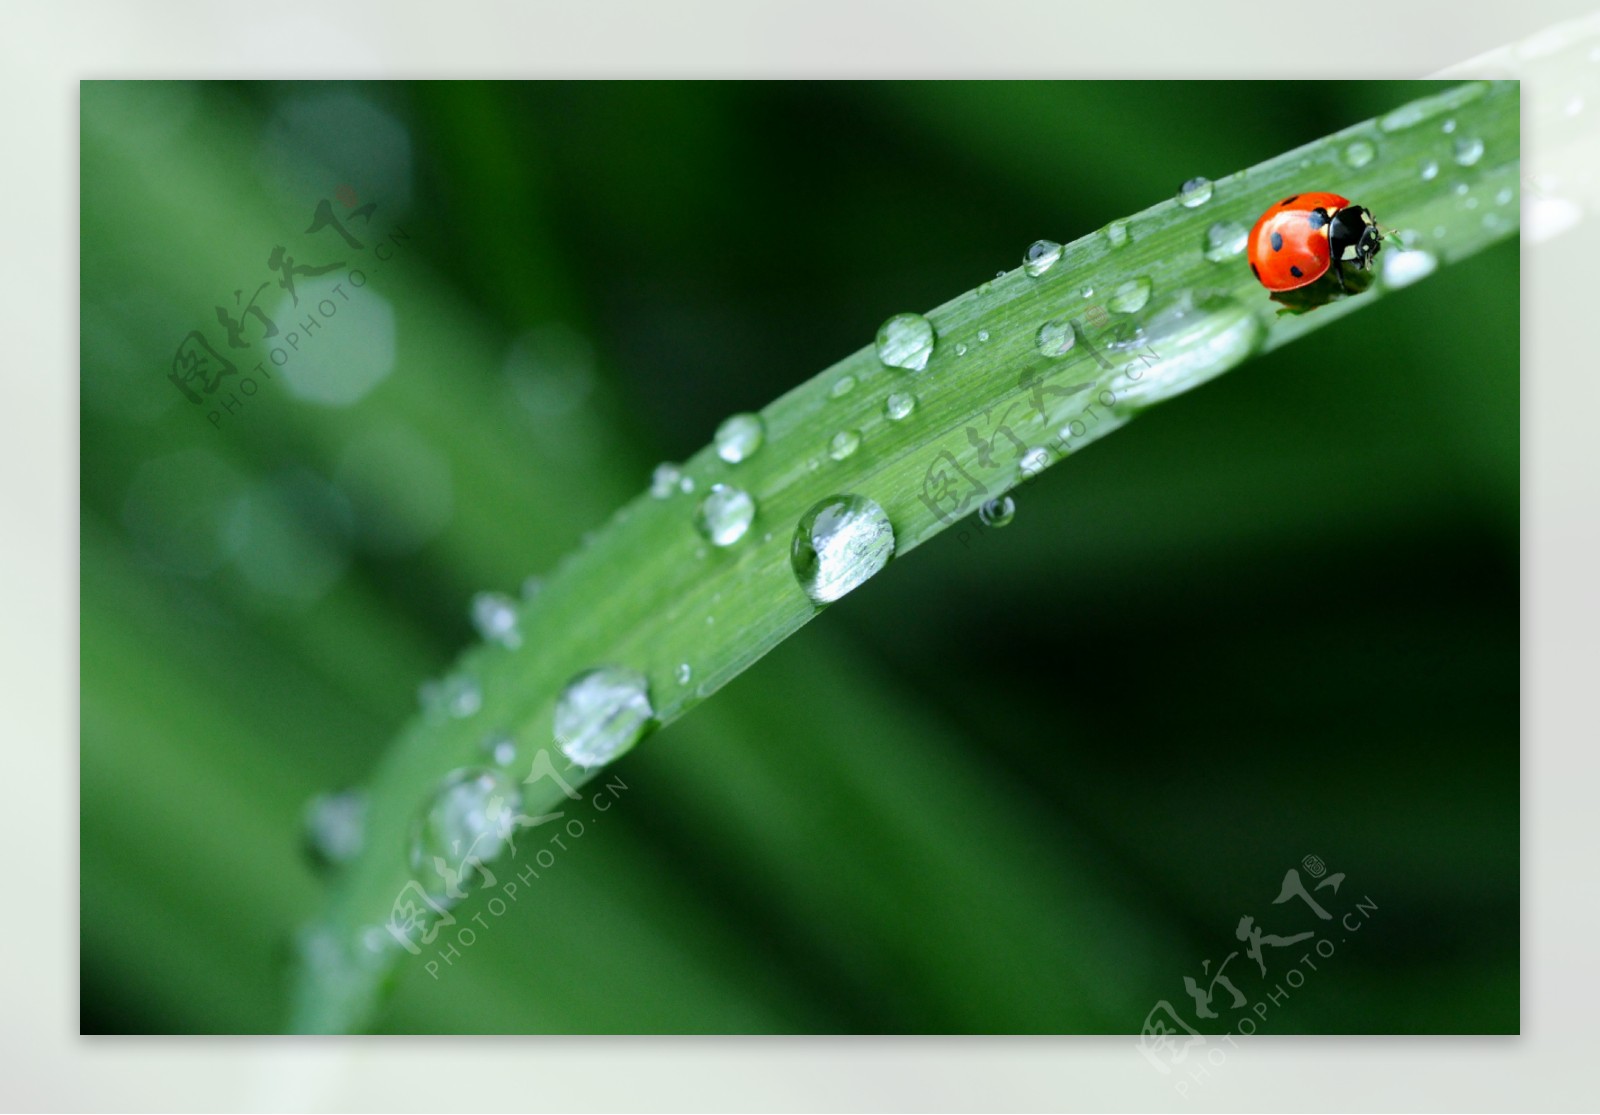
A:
(1026, 782)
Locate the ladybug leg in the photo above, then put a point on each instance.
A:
(1338, 273)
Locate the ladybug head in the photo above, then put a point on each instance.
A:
(1353, 235)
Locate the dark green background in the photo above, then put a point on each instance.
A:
(1026, 781)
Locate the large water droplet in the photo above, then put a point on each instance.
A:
(1193, 339)
(839, 544)
(899, 406)
(1403, 268)
(335, 826)
(471, 820)
(665, 479)
(738, 437)
(1468, 150)
(1130, 297)
(843, 444)
(1195, 192)
(997, 512)
(1040, 257)
(1224, 240)
(906, 341)
(724, 515)
(494, 615)
(601, 714)
(1055, 338)
(1358, 153)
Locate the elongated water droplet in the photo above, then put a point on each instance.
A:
(724, 515)
(1034, 461)
(601, 714)
(1402, 268)
(1468, 150)
(1358, 153)
(906, 341)
(470, 821)
(997, 512)
(335, 826)
(1193, 338)
(494, 615)
(842, 386)
(1055, 338)
(843, 444)
(1195, 192)
(1224, 240)
(839, 544)
(739, 437)
(664, 480)
(1130, 297)
(1040, 257)
(899, 406)
(1430, 170)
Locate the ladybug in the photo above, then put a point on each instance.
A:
(1298, 239)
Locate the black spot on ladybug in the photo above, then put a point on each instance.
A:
(1296, 272)
(1254, 272)
(1277, 242)
(1287, 200)
(1318, 218)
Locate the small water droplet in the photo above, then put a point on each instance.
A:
(1460, 189)
(997, 512)
(838, 545)
(739, 437)
(1195, 192)
(1117, 233)
(843, 443)
(1448, 126)
(1404, 268)
(335, 826)
(1504, 196)
(494, 615)
(1358, 153)
(458, 696)
(899, 406)
(664, 480)
(1034, 461)
(683, 673)
(1430, 170)
(601, 714)
(1040, 257)
(961, 349)
(906, 341)
(1225, 240)
(1130, 297)
(724, 515)
(983, 335)
(1468, 151)
(843, 386)
(501, 748)
(469, 822)
(1056, 338)
(1087, 292)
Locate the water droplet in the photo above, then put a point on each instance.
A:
(1225, 240)
(468, 824)
(1194, 338)
(335, 826)
(1468, 151)
(494, 615)
(906, 341)
(1087, 292)
(1505, 195)
(458, 696)
(839, 544)
(501, 748)
(665, 479)
(1056, 338)
(961, 350)
(1130, 297)
(1040, 257)
(899, 406)
(1117, 233)
(1404, 268)
(683, 673)
(1430, 170)
(1460, 190)
(997, 512)
(1448, 126)
(983, 335)
(739, 437)
(843, 386)
(1195, 192)
(1034, 461)
(724, 515)
(1358, 153)
(601, 714)
(843, 443)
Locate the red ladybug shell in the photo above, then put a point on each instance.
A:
(1289, 244)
